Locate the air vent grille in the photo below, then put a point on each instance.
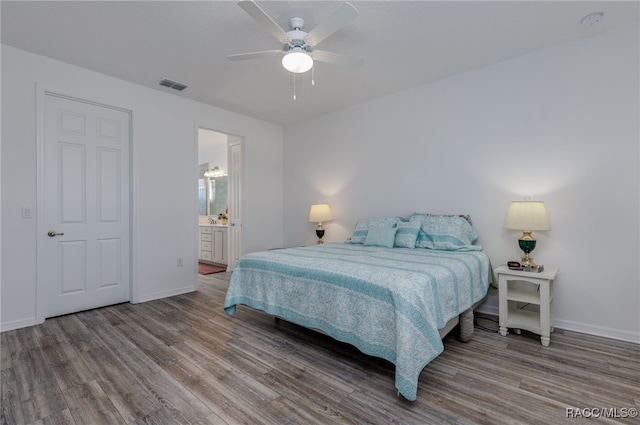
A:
(172, 84)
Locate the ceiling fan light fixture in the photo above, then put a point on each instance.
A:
(297, 61)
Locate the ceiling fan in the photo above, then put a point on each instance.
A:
(298, 48)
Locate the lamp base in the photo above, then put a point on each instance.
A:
(320, 233)
(527, 244)
(527, 261)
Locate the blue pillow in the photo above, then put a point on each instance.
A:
(381, 236)
(448, 233)
(363, 226)
(407, 234)
(419, 217)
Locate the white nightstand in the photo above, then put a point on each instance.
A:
(539, 293)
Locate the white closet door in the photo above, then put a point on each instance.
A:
(83, 253)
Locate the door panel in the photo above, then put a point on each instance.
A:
(109, 255)
(72, 177)
(235, 204)
(72, 271)
(109, 188)
(83, 250)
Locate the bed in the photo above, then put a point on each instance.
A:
(389, 299)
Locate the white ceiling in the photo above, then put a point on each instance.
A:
(403, 44)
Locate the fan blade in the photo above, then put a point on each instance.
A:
(259, 15)
(336, 59)
(333, 23)
(254, 55)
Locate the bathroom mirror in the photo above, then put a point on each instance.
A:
(212, 177)
(217, 195)
(212, 193)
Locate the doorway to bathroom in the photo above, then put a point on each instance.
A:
(219, 198)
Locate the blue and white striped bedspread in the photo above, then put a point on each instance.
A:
(387, 302)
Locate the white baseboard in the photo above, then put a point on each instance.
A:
(17, 324)
(569, 325)
(163, 294)
(602, 331)
(31, 321)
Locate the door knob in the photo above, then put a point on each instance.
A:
(52, 234)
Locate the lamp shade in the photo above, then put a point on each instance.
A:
(320, 212)
(527, 215)
(297, 61)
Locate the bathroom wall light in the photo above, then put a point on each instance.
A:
(214, 172)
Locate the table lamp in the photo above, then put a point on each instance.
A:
(319, 213)
(527, 216)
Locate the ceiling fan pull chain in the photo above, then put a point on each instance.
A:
(294, 86)
(313, 75)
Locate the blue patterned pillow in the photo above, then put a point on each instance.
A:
(407, 234)
(449, 233)
(419, 217)
(363, 226)
(381, 236)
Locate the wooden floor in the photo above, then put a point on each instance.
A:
(183, 360)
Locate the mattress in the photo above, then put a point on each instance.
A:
(387, 302)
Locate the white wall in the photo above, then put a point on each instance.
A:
(164, 178)
(560, 125)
